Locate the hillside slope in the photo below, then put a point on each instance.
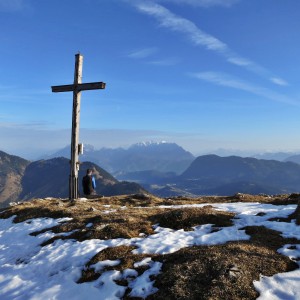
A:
(12, 169)
(49, 178)
(23, 180)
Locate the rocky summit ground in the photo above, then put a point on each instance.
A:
(221, 271)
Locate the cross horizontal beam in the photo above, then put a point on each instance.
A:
(78, 87)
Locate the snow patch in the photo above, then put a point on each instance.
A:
(29, 271)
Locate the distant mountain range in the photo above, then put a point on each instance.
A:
(163, 157)
(215, 175)
(164, 169)
(293, 158)
(280, 156)
(24, 180)
(228, 174)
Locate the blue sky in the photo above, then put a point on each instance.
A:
(205, 74)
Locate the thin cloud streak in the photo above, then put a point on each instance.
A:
(11, 5)
(226, 80)
(279, 81)
(198, 37)
(165, 62)
(203, 3)
(143, 53)
(34, 125)
(169, 20)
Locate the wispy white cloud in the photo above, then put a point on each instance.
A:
(15, 94)
(6, 87)
(35, 125)
(198, 37)
(223, 79)
(165, 62)
(171, 21)
(143, 53)
(148, 54)
(11, 5)
(203, 3)
(279, 81)
(240, 61)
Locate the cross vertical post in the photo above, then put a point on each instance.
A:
(73, 181)
(76, 88)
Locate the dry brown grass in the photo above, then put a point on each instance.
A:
(122, 253)
(224, 271)
(217, 272)
(186, 218)
(203, 272)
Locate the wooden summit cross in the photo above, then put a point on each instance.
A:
(76, 88)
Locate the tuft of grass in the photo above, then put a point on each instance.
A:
(186, 218)
(122, 253)
(217, 272)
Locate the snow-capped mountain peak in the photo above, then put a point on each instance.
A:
(148, 143)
